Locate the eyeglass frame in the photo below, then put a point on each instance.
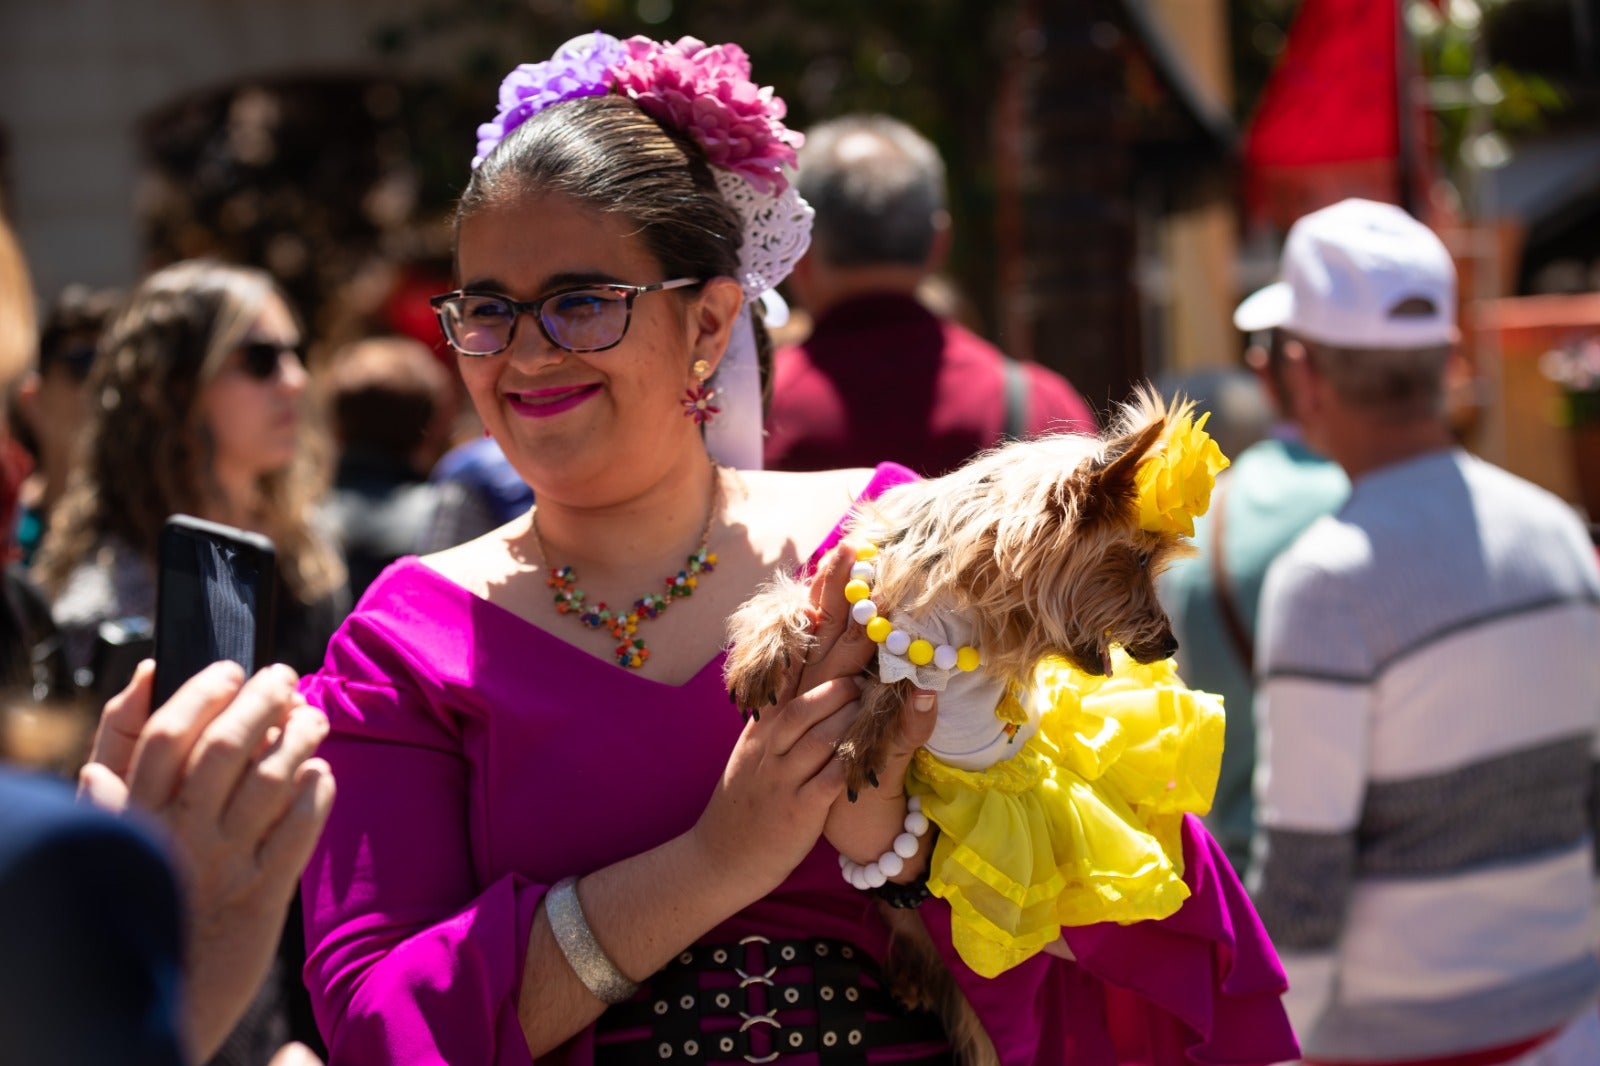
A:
(535, 307)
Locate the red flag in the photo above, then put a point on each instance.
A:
(1327, 125)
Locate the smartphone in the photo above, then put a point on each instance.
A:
(216, 588)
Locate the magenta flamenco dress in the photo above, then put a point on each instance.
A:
(480, 759)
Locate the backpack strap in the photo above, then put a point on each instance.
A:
(1016, 423)
(1227, 606)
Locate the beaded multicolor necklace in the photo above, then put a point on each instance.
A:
(624, 625)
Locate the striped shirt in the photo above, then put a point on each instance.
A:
(1428, 709)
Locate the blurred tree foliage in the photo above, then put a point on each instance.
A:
(330, 182)
(1258, 30)
(1479, 103)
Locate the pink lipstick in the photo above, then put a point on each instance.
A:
(543, 403)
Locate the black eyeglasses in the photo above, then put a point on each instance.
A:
(262, 360)
(587, 318)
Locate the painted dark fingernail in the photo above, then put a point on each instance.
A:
(872, 776)
(851, 794)
(755, 714)
(744, 714)
(773, 699)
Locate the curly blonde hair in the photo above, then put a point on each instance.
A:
(147, 451)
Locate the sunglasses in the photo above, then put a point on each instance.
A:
(588, 318)
(262, 360)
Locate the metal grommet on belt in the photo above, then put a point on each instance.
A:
(810, 997)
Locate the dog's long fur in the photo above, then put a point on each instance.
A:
(1037, 545)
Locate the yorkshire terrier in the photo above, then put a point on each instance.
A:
(1034, 549)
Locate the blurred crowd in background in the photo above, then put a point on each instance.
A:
(1011, 232)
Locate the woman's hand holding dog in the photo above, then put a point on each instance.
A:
(785, 778)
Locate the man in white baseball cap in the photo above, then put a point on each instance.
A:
(1358, 275)
(1426, 691)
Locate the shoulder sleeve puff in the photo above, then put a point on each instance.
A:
(409, 958)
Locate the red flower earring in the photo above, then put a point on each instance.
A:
(697, 401)
(697, 404)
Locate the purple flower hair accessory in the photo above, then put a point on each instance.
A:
(583, 66)
(706, 92)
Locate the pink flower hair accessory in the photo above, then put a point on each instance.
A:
(702, 90)
(705, 91)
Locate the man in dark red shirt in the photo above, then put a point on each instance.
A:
(882, 377)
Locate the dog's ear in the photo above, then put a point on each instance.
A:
(1113, 484)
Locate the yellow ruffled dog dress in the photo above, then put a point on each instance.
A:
(1081, 823)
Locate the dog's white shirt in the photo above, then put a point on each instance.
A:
(968, 736)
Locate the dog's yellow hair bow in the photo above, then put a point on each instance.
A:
(1175, 484)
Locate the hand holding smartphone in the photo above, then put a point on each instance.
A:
(215, 595)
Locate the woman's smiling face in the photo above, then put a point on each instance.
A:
(593, 424)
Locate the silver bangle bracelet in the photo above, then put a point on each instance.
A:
(583, 952)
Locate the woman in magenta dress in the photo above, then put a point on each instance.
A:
(497, 731)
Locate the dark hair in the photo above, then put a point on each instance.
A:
(73, 326)
(878, 188)
(606, 153)
(384, 394)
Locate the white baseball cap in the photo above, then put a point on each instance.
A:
(1345, 270)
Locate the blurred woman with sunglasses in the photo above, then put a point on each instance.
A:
(198, 400)
(198, 397)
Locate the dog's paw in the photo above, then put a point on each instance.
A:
(865, 746)
(769, 636)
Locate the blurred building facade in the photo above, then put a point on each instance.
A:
(80, 78)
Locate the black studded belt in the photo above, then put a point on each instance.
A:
(764, 1000)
